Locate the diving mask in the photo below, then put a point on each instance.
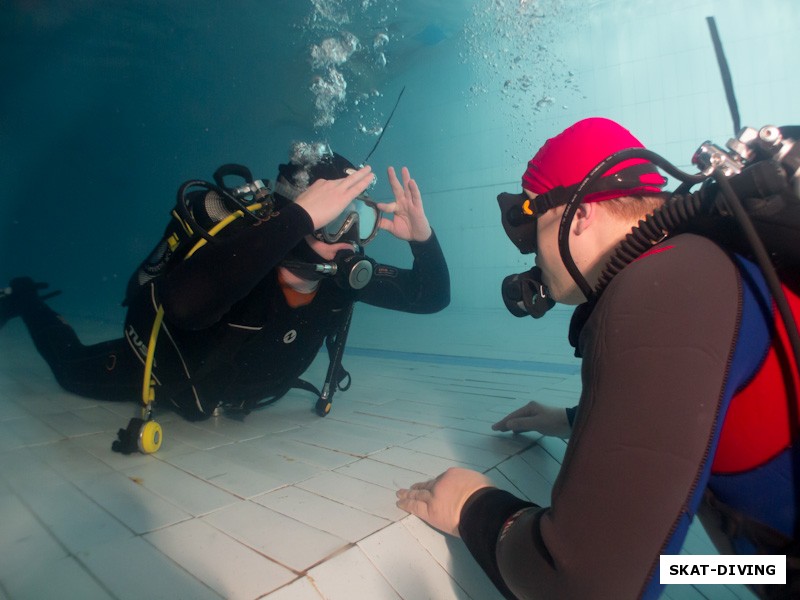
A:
(519, 212)
(524, 293)
(359, 222)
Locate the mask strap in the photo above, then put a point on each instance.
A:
(286, 189)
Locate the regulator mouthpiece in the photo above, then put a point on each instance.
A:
(524, 294)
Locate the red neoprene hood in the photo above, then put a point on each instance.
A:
(567, 158)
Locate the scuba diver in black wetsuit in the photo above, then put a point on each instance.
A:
(243, 313)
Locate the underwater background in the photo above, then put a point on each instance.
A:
(108, 106)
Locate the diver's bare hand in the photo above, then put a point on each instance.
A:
(439, 501)
(325, 199)
(408, 221)
(547, 420)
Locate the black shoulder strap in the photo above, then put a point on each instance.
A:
(336, 373)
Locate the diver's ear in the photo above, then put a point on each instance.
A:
(585, 217)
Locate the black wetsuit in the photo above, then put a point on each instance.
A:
(229, 335)
(678, 345)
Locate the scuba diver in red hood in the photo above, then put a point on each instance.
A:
(689, 396)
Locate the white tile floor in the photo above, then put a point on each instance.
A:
(283, 506)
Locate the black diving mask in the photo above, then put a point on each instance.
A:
(524, 293)
(519, 213)
(359, 222)
(519, 217)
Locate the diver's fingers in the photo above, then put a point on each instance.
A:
(387, 225)
(413, 504)
(358, 180)
(406, 177)
(325, 199)
(526, 411)
(397, 187)
(352, 185)
(416, 195)
(355, 183)
(425, 485)
(522, 424)
(387, 207)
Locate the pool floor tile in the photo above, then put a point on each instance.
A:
(281, 506)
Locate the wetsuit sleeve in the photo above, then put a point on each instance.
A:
(571, 412)
(656, 353)
(200, 290)
(482, 519)
(425, 288)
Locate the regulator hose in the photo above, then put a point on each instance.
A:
(577, 197)
(676, 212)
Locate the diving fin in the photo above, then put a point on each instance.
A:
(20, 290)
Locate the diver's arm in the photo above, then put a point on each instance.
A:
(425, 288)
(656, 361)
(201, 289)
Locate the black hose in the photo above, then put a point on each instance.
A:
(675, 213)
(764, 262)
(727, 80)
(182, 206)
(587, 183)
(389, 120)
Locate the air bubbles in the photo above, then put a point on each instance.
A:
(380, 41)
(513, 48)
(351, 54)
(305, 155)
(333, 51)
(329, 93)
(374, 130)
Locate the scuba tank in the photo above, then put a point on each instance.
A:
(202, 209)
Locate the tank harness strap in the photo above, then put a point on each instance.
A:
(334, 379)
(335, 344)
(336, 373)
(148, 385)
